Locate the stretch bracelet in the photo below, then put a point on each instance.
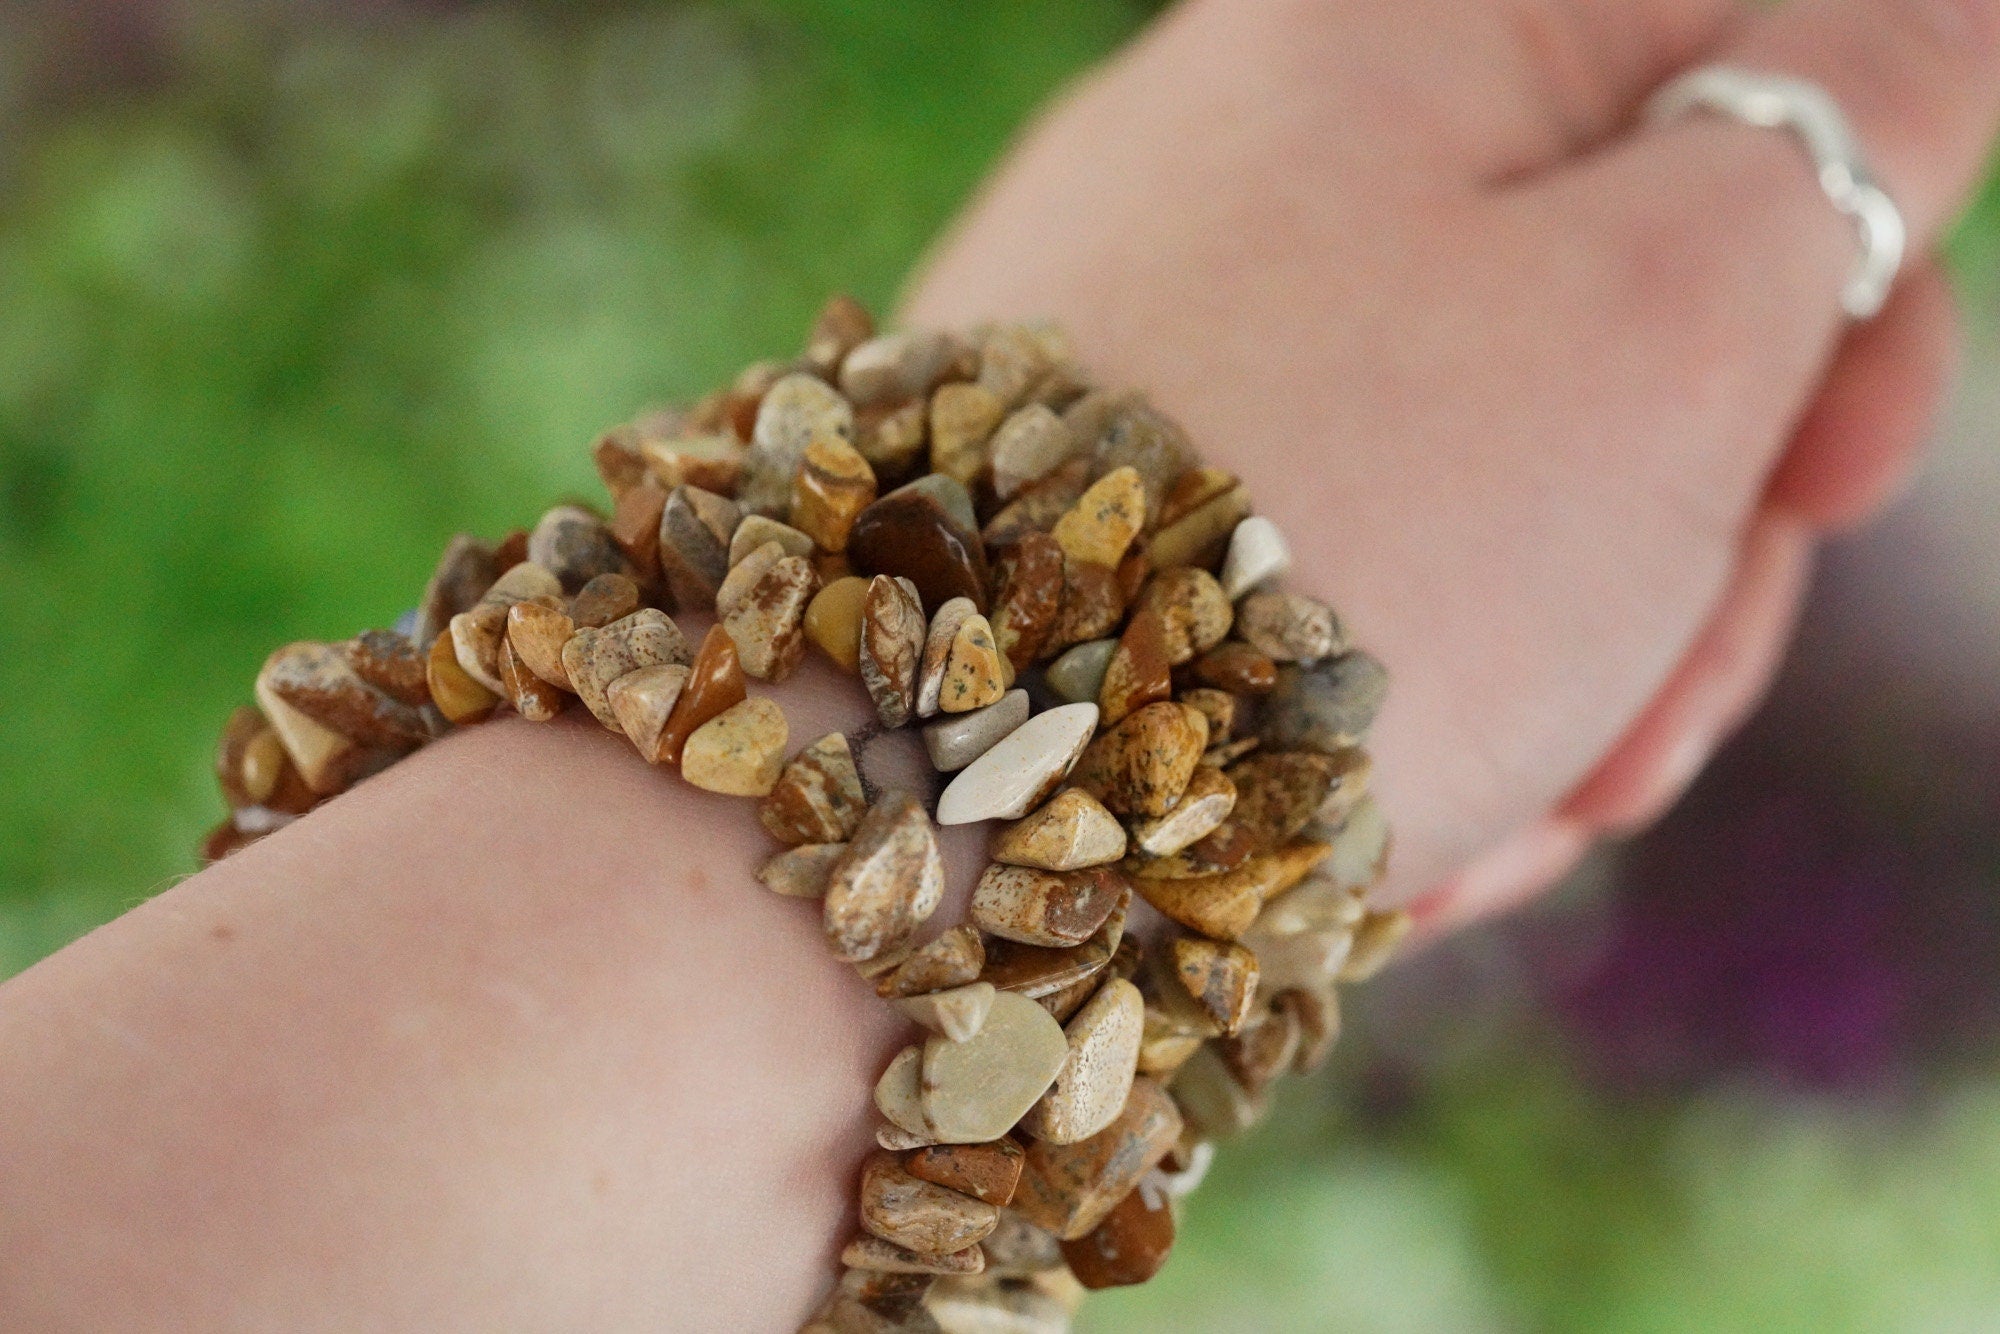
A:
(1085, 625)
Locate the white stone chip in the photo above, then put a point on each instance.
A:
(1007, 781)
(1257, 552)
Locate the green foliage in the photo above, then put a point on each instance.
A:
(272, 333)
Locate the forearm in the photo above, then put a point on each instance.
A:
(507, 1037)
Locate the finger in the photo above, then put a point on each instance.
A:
(1714, 687)
(1503, 878)
(1714, 262)
(1589, 63)
(1862, 436)
(1919, 80)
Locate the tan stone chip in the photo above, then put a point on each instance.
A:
(939, 639)
(962, 416)
(889, 1258)
(593, 659)
(739, 752)
(888, 883)
(1069, 832)
(1375, 943)
(976, 1090)
(801, 872)
(538, 634)
(756, 529)
(891, 648)
(1090, 1089)
(642, 701)
(1289, 627)
(1104, 520)
(1027, 447)
(1142, 765)
(767, 620)
(957, 1014)
(1220, 976)
(1194, 614)
(1205, 803)
(899, 1092)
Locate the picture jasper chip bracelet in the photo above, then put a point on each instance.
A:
(1085, 625)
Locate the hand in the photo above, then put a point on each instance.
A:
(1555, 407)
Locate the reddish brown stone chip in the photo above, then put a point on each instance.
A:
(1128, 1247)
(988, 1172)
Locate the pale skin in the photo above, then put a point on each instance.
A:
(507, 1039)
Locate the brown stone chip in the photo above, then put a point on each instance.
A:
(464, 572)
(1031, 592)
(917, 1215)
(801, 872)
(1138, 673)
(532, 697)
(606, 598)
(316, 680)
(695, 528)
(391, 663)
(953, 959)
(1237, 667)
(910, 534)
(818, 797)
(1128, 1247)
(635, 527)
(1068, 1189)
(1037, 907)
(539, 633)
(574, 545)
(715, 683)
(988, 1171)
(843, 324)
(1280, 792)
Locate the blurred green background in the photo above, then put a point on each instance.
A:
(289, 294)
